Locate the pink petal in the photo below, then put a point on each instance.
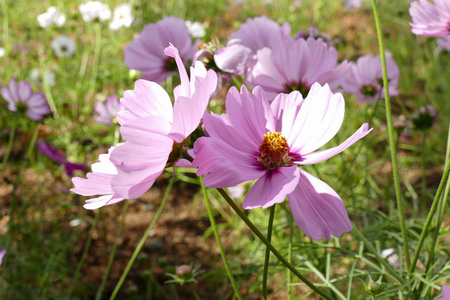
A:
(2, 255)
(317, 209)
(146, 130)
(285, 109)
(222, 165)
(24, 90)
(173, 52)
(318, 121)
(272, 188)
(95, 184)
(132, 185)
(101, 201)
(319, 156)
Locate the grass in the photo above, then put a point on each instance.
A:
(44, 247)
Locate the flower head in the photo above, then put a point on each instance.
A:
(365, 79)
(106, 112)
(93, 10)
(430, 19)
(445, 293)
(154, 131)
(55, 155)
(146, 52)
(195, 29)
(39, 76)
(51, 16)
(20, 97)
(391, 257)
(63, 46)
(2, 255)
(295, 65)
(122, 17)
(267, 142)
(353, 4)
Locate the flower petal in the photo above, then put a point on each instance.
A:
(317, 209)
(319, 156)
(101, 201)
(272, 187)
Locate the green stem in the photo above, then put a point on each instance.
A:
(424, 183)
(98, 45)
(424, 233)
(113, 253)
(401, 212)
(32, 142)
(219, 243)
(46, 86)
(197, 297)
(379, 259)
(8, 148)
(269, 245)
(144, 238)
(5, 27)
(83, 256)
(267, 256)
(289, 273)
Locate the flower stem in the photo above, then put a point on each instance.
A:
(144, 238)
(197, 297)
(267, 256)
(401, 212)
(270, 246)
(424, 179)
(32, 143)
(8, 148)
(424, 233)
(113, 253)
(289, 273)
(98, 46)
(85, 251)
(219, 243)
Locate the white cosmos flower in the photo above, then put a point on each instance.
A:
(51, 16)
(122, 17)
(38, 76)
(195, 29)
(2, 51)
(63, 46)
(92, 10)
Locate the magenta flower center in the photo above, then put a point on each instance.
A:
(274, 151)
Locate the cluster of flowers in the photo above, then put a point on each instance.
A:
(266, 134)
(430, 19)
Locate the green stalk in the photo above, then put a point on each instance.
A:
(144, 238)
(423, 167)
(83, 256)
(401, 210)
(289, 273)
(267, 256)
(8, 148)
(439, 192)
(46, 86)
(32, 143)
(271, 247)
(197, 297)
(98, 46)
(219, 243)
(5, 27)
(113, 253)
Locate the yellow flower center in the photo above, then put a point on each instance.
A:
(274, 151)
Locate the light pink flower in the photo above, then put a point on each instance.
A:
(20, 97)
(313, 32)
(365, 78)
(153, 128)
(430, 19)
(296, 65)
(55, 155)
(2, 255)
(267, 142)
(106, 112)
(98, 182)
(442, 43)
(445, 293)
(146, 52)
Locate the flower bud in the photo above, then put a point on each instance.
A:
(183, 271)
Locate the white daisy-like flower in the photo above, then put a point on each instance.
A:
(195, 29)
(38, 76)
(52, 16)
(2, 51)
(92, 10)
(391, 257)
(63, 46)
(122, 17)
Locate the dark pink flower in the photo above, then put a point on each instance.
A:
(365, 79)
(146, 52)
(98, 182)
(267, 142)
(295, 65)
(20, 97)
(55, 155)
(430, 19)
(106, 112)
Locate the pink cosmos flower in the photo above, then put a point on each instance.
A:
(146, 52)
(430, 19)
(55, 155)
(153, 129)
(445, 293)
(2, 255)
(98, 182)
(296, 65)
(106, 112)
(238, 57)
(267, 142)
(442, 43)
(365, 79)
(313, 32)
(20, 97)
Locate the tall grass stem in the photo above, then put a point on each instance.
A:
(267, 255)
